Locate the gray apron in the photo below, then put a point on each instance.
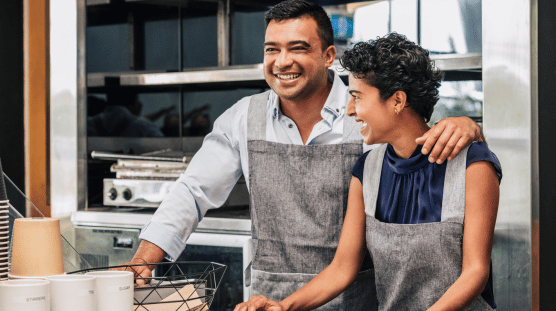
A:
(298, 203)
(416, 263)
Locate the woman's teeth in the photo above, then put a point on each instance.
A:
(288, 77)
(362, 124)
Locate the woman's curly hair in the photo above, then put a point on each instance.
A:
(392, 63)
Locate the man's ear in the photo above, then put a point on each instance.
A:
(329, 55)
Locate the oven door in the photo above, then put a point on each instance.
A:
(232, 250)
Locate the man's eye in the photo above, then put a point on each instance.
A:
(299, 48)
(268, 50)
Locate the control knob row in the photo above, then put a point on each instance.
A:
(113, 194)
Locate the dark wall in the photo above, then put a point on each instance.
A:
(11, 89)
(547, 150)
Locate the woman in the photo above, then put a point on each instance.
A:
(428, 227)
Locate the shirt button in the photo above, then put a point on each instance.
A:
(337, 110)
(290, 125)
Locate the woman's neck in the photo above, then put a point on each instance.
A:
(409, 129)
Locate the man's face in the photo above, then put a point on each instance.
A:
(295, 65)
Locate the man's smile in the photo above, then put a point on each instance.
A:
(292, 76)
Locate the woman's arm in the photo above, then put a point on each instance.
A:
(341, 272)
(481, 206)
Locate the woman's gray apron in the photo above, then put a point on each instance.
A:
(416, 263)
(298, 203)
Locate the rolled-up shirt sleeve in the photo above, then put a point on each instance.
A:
(206, 184)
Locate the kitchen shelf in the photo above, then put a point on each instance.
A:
(261, 4)
(463, 65)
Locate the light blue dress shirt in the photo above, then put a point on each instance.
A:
(223, 157)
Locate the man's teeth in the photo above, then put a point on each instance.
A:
(362, 124)
(288, 77)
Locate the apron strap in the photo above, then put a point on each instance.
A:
(453, 198)
(371, 178)
(256, 117)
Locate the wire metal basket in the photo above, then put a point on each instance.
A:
(179, 286)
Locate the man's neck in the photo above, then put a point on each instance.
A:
(306, 112)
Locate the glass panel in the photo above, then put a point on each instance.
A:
(107, 48)
(200, 45)
(202, 108)
(381, 18)
(442, 28)
(461, 98)
(129, 114)
(248, 32)
(161, 44)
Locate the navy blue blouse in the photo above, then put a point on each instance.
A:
(413, 189)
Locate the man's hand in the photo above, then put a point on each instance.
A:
(448, 138)
(146, 253)
(142, 273)
(259, 303)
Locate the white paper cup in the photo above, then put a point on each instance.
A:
(114, 290)
(72, 292)
(25, 295)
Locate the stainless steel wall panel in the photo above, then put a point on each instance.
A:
(507, 125)
(64, 118)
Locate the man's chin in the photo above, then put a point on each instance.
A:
(286, 93)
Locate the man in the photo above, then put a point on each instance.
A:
(296, 146)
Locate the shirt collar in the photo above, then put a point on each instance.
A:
(334, 105)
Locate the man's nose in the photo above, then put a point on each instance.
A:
(351, 107)
(284, 60)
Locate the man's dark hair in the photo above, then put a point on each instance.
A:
(290, 9)
(393, 63)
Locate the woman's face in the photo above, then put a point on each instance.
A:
(375, 116)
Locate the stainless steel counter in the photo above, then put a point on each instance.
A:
(225, 222)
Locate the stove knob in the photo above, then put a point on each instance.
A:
(127, 194)
(113, 194)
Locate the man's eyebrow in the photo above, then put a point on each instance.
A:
(304, 43)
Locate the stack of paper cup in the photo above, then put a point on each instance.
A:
(4, 228)
(36, 248)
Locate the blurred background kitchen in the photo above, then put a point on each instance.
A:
(89, 85)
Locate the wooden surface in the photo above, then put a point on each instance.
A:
(36, 105)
